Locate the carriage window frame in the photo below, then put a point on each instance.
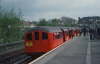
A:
(36, 35)
(44, 36)
(29, 36)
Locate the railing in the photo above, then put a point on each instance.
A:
(8, 47)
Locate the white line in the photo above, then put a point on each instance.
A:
(88, 56)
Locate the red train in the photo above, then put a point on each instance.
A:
(43, 39)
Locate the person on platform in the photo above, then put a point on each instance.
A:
(91, 32)
(83, 31)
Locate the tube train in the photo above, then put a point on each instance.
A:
(39, 40)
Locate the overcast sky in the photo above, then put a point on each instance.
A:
(37, 9)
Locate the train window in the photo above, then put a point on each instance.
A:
(36, 35)
(58, 35)
(29, 36)
(44, 36)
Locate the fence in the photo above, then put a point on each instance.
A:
(8, 47)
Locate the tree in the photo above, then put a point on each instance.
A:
(42, 22)
(10, 26)
(55, 22)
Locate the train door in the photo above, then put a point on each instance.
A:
(44, 37)
(44, 42)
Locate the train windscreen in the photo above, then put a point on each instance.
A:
(29, 36)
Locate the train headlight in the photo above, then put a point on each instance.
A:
(29, 44)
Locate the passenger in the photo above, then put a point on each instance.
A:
(70, 34)
(83, 31)
(98, 31)
(91, 32)
(80, 32)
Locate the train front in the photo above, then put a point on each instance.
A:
(36, 41)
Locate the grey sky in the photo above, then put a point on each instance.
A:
(37, 9)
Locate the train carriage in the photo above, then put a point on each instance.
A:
(42, 39)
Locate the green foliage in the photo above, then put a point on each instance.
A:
(55, 22)
(10, 26)
(42, 22)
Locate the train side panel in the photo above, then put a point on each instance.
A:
(57, 39)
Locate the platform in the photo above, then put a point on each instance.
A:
(80, 51)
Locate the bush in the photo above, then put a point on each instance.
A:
(10, 26)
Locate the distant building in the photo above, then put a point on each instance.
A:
(67, 20)
(89, 21)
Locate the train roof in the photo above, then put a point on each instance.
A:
(45, 28)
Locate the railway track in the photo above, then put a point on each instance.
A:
(13, 53)
(8, 58)
(16, 57)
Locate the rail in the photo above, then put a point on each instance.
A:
(8, 47)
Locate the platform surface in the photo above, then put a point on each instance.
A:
(80, 51)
